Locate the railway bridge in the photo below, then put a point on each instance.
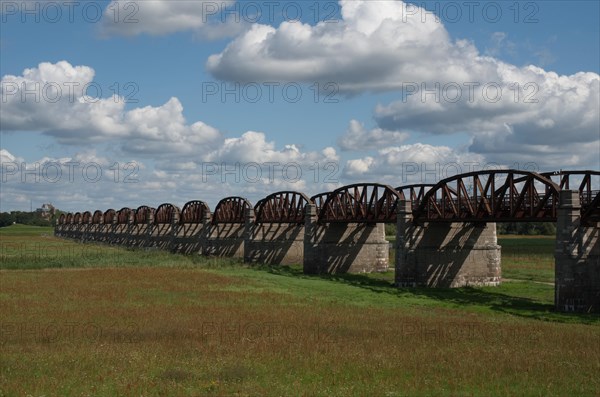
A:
(446, 232)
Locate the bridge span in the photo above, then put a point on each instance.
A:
(446, 232)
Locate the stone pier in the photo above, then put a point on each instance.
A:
(445, 254)
(272, 243)
(343, 247)
(226, 239)
(577, 258)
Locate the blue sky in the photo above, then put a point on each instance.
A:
(363, 125)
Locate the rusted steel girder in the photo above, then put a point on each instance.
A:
(142, 214)
(360, 203)
(490, 196)
(77, 218)
(319, 199)
(86, 217)
(166, 213)
(231, 210)
(282, 207)
(109, 216)
(124, 215)
(193, 212)
(414, 193)
(588, 184)
(98, 217)
(69, 218)
(62, 219)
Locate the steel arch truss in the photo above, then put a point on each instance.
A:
(490, 196)
(124, 215)
(98, 217)
(166, 213)
(86, 217)
(414, 193)
(194, 212)
(282, 207)
(143, 214)
(319, 200)
(69, 218)
(360, 203)
(109, 216)
(231, 210)
(588, 184)
(77, 218)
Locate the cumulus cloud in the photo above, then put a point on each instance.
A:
(416, 163)
(253, 146)
(357, 138)
(157, 132)
(162, 17)
(52, 99)
(89, 180)
(376, 46)
(445, 86)
(85, 180)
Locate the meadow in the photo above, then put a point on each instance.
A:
(90, 320)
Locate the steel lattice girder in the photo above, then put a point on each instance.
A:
(166, 213)
(98, 217)
(282, 207)
(319, 199)
(589, 190)
(360, 203)
(495, 195)
(231, 210)
(124, 215)
(109, 216)
(194, 212)
(142, 214)
(414, 193)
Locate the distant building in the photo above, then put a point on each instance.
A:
(46, 212)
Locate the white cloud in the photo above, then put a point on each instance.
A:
(88, 180)
(163, 17)
(74, 118)
(253, 146)
(357, 138)
(378, 46)
(407, 164)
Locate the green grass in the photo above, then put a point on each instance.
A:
(131, 323)
(528, 258)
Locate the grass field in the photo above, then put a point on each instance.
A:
(81, 319)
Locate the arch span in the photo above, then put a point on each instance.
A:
(588, 184)
(319, 200)
(231, 210)
(166, 213)
(109, 216)
(124, 215)
(142, 214)
(360, 203)
(282, 207)
(194, 211)
(414, 193)
(490, 196)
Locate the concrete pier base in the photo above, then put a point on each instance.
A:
(272, 243)
(344, 247)
(444, 254)
(577, 259)
(226, 239)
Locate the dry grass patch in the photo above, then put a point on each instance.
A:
(162, 331)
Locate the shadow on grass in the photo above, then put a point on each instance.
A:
(473, 297)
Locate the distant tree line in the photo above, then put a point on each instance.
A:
(26, 218)
(522, 228)
(527, 228)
